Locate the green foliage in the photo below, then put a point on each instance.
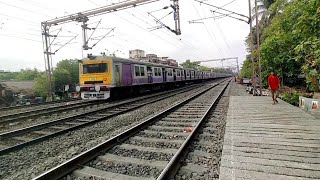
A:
(291, 42)
(41, 86)
(66, 73)
(194, 65)
(246, 70)
(27, 74)
(189, 64)
(8, 76)
(292, 98)
(22, 75)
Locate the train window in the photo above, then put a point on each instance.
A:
(137, 70)
(188, 73)
(142, 71)
(95, 68)
(192, 73)
(156, 71)
(182, 73)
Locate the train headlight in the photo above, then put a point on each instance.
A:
(97, 88)
(78, 88)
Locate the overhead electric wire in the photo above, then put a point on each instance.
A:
(21, 19)
(19, 37)
(218, 48)
(142, 28)
(175, 37)
(223, 36)
(214, 33)
(220, 8)
(197, 56)
(24, 9)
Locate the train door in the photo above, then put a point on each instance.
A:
(149, 72)
(164, 75)
(126, 74)
(117, 75)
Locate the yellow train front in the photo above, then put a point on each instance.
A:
(95, 78)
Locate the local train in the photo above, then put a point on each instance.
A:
(102, 77)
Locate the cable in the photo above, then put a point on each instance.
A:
(147, 30)
(21, 19)
(224, 52)
(224, 37)
(20, 38)
(220, 51)
(170, 35)
(24, 9)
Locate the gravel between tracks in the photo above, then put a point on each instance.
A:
(35, 159)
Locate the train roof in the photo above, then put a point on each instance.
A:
(124, 60)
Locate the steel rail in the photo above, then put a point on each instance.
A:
(48, 110)
(173, 165)
(74, 163)
(11, 134)
(39, 104)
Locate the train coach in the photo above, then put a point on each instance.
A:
(102, 77)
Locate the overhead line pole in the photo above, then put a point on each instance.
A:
(224, 59)
(258, 46)
(251, 48)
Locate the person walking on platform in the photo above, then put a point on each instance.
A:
(274, 84)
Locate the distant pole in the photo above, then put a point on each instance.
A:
(251, 48)
(46, 35)
(258, 46)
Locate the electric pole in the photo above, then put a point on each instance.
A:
(258, 46)
(253, 80)
(47, 53)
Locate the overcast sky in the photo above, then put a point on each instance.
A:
(21, 41)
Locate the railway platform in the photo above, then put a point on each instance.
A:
(265, 141)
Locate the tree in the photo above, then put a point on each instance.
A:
(246, 70)
(8, 76)
(195, 65)
(27, 74)
(291, 42)
(189, 64)
(41, 86)
(61, 77)
(72, 66)
(66, 73)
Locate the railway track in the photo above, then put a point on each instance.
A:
(19, 116)
(149, 150)
(16, 139)
(36, 105)
(203, 158)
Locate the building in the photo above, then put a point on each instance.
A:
(152, 58)
(136, 54)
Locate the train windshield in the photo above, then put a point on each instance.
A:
(95, 68)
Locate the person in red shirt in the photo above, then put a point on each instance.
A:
(274, 84)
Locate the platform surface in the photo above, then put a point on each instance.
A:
(265, 141)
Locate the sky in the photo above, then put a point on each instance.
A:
(21, 41)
